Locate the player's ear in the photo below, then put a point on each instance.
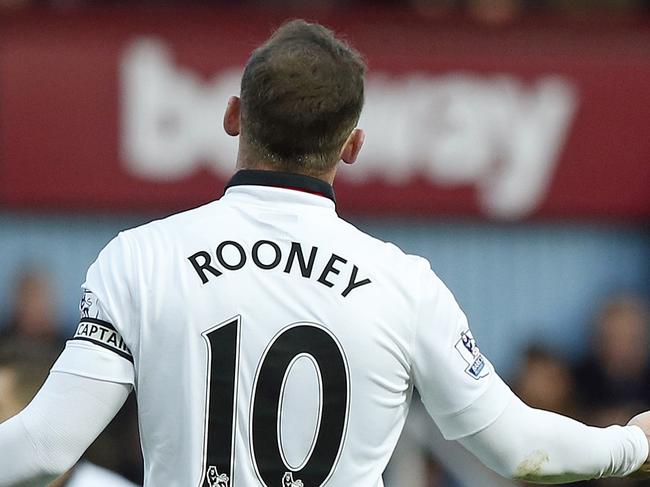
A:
(352, 146)
(231, 117)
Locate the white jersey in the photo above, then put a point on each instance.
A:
(273, 344)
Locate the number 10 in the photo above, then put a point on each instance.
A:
(223, 344)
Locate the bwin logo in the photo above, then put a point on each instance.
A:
(287, 481)
(215, 479)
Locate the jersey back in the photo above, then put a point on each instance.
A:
(274, 344)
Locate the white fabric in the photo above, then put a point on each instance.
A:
(89, 475)
(460, 464)
(49, 436)
(400, 329)
(88, 360)
(21, 464)
(543, 447)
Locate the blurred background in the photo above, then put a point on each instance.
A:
(508, 141)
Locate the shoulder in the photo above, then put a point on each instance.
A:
(397, 273)
(172, 223)
(159, 234)
(410, 278)
(139, 244)
(384, 252)
(88, 474)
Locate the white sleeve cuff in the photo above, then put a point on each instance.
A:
(479, 415)
(89, 360)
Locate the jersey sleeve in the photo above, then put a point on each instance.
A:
(101, 346)
(458, 385)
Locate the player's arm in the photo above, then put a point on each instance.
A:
(87, 385)
(540, 446)
(49, 436)
(470, 403)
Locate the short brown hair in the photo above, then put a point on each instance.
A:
(301, 96)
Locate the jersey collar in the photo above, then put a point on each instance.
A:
(284, 180)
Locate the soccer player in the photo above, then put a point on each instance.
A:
(269, 342)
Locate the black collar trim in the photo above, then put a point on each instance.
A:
(282, 180)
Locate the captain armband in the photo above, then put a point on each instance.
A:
(92, 328)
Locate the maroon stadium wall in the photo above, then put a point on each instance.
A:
(121, 110)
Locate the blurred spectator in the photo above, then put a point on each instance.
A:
(613, 381)
(608, 383)
(495, 11)
(545, 381)
(33, 315)
(23, 369)
(617, 370)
